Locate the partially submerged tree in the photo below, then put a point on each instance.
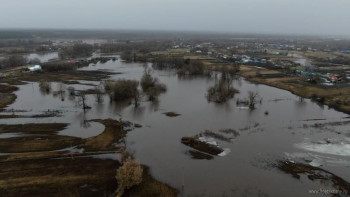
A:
(108, 86)
(128, 175)
(223, 89)
(45, 86)
(253, 99)
(82, 99)
(123, 90)
(61, 90)
(150, 85)
(137, 97)
(71, 91)
(191, 67)
(75, 51)
(99, 94)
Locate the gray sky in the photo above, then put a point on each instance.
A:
(239, 16)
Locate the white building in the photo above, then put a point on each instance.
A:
(34, 68)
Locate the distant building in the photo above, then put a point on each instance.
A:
(275, 52)
(335, 77)
(35, 68)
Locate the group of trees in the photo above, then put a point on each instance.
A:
(223, 89)
(191, 67)
(183, 66)
(150, 85)
(13, 61)
(123, 90)
(58, 66)
(24, 45)
(139, 46)
(75, 51)
(128, 55)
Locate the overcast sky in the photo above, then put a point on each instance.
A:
(239, 16)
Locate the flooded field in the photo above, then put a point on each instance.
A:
(282, 127)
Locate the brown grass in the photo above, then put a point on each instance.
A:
(45, 128)
(151, 187)
(6, 99)
(33, 169)
(113, 133)
(300, 88)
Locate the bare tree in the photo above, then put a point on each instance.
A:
(82, 101)
(128, 175)
(62, 90)
(253, 99)
(137, 97)
(99, 95)
(71, 91)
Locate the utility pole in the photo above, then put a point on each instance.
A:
(183, 182)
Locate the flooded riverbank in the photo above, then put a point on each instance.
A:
(288, 131)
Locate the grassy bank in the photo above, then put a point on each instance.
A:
(334, 97)
(6, 95)
(40, 164)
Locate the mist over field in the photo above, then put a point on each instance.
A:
(321, 17)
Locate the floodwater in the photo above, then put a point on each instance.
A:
(287, 132)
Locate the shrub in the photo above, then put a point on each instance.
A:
(128, 175)
(45, 86)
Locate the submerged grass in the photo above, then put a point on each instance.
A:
(314, 173)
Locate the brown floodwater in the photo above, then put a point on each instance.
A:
(247, 169)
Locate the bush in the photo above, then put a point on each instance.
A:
(129, 175)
